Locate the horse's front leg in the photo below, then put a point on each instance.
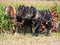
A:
(30, 28)
(48, 29)
(36, 29)
(23, 29)
(14, 28)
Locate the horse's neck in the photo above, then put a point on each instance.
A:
(13, 12)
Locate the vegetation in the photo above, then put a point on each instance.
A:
(5, 21)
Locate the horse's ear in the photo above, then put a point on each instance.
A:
(19, 5)
(31, 6)
(27, 7)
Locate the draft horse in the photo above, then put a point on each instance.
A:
(40, 17)
(22, 15)
(11, 11)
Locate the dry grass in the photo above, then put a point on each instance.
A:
(28, 39)
(36, 3)
(29, 2)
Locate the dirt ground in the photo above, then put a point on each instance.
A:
(28, 39)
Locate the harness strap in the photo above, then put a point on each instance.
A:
(44, 18)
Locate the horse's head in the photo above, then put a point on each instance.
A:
(31, 11)
(9, 10)
(21, 10)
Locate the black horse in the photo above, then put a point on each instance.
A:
(30, 14)
(22, 16)
(27, 20)
(40, 17)
(43, 17)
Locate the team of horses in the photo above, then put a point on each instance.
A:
(36, 20)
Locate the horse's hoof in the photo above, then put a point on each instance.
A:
(22, 31)
(35, 34)
(47, 34)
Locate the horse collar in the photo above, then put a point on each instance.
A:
(12, 17)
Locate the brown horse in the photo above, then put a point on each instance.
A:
(10, 11)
